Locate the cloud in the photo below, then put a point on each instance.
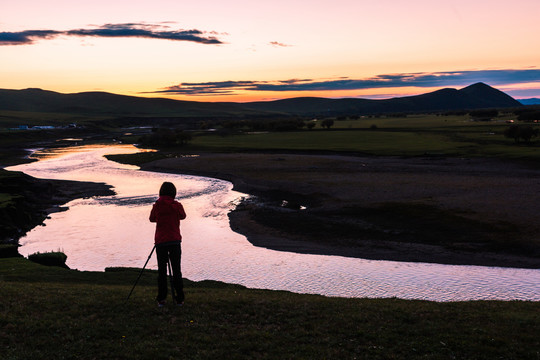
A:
(278, 44)
(126, 30)
(208, 88)
(26, 37)
(421, 80)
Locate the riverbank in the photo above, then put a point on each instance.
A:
(60, 313)
(26, 202)
(440, 210)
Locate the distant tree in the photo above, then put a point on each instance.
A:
(517, 132)
(396, 115)
(311, 124)
(183, 137)
(483, 115)
(286, 125)
(165, 138)
(327, 123)
(454, 112)
(531, 115)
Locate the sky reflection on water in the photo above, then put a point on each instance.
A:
(114, 231)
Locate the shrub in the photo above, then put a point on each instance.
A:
(9, 250)
(49, 259)
(327, 123)
(530, 115)
(310, 125)
(165, 138)
(483, 114)
(525, 132)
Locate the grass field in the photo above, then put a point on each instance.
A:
(50, 312)
(366, 142)
(409, 136)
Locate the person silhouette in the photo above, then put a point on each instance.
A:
(167, 213)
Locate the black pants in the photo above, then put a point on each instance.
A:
(164, 253)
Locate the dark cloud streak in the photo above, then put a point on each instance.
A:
(421, 80)
(128, 30)
(26, 37)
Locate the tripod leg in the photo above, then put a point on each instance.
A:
(136, 281)
(172, 280)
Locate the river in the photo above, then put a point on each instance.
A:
(112, 231)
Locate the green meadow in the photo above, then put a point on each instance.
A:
(415, 135)
(50, 312)
(377, 142)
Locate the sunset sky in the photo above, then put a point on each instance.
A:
(265, 50)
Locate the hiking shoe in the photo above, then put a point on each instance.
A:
(161, 303)
(180, 303)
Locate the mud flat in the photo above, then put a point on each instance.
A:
(441, 210)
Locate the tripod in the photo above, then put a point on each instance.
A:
(172, 280)
(136, 281)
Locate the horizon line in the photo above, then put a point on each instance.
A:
(360, 97)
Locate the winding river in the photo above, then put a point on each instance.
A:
(111, 231)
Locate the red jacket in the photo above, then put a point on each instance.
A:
(167, 213)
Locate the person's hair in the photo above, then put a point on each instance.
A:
(167, 189)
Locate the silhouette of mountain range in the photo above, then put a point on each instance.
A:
(95, 103)
(530, 101)
(476, 96)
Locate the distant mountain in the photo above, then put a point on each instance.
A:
(530, 101)
(97, 103)
(477, 96)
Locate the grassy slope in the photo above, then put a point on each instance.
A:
(56, 313)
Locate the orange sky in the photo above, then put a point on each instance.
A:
(264, 50)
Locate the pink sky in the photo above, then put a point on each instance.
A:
(260, 50)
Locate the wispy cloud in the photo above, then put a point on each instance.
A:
(421, 80)
(126, 30)
(209, 88)
(278, 44)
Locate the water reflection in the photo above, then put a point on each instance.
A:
(114, 231)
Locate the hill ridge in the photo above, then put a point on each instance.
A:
(475, 96)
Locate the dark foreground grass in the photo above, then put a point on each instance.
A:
(54, 313)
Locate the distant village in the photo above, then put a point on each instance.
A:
(45, 127)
